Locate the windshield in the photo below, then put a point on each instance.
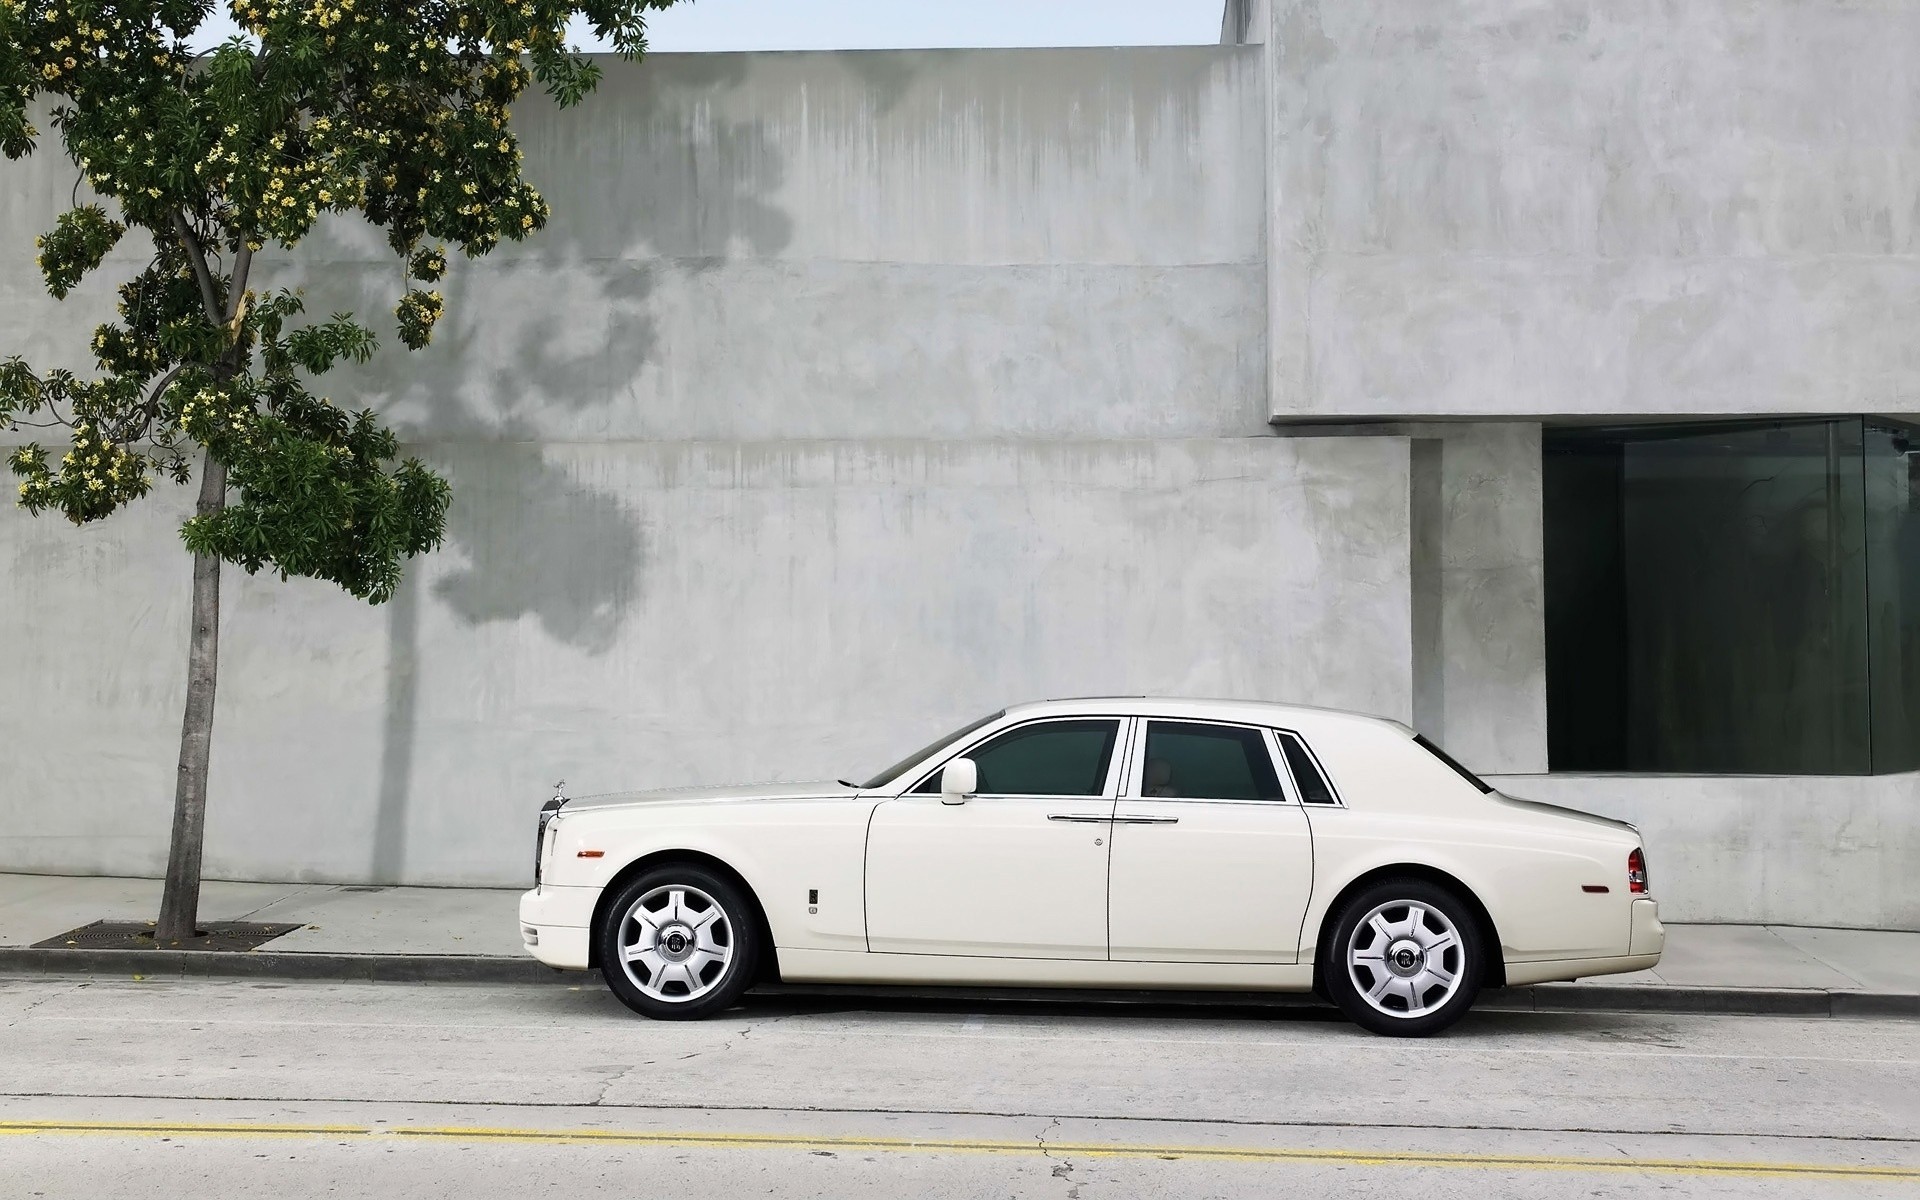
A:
(928, 750)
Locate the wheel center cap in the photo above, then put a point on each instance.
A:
(675, 943)
(1405, 958)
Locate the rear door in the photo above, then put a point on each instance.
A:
(1018, 870)
(1212, 862)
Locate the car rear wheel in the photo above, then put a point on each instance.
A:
(1406, 958)
(679, 942)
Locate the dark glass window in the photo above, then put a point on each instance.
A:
(930, 749)
(1306, 773)
(1734, 598)
(1213, 762)
(1457, 769)
(1052, 758)
(1892, 455)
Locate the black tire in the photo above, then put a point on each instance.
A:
(1465, 960)
(739, 922)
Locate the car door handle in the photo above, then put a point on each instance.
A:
(1147, 820)
(1083, 818)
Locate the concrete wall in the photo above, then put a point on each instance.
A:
(849, 396)
(1801, 850)
(717, 611)
(1554, 207)
(1051, 243)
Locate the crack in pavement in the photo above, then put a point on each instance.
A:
(55, 994)
(600, 1101)
(1062, 1167)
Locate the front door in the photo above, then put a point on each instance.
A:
(1018, 870)
(1212, 861)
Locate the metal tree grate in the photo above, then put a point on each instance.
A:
(138, 935)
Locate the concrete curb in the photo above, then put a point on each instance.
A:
(278, 964)
(453, 968)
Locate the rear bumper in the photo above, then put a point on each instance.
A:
(1561, 970)
(1649, 935)
(556, 925)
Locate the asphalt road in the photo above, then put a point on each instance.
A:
(232, 1088)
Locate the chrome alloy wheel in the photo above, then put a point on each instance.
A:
(676, 943)
(1405, 959)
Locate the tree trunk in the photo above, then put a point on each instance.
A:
(180, 902)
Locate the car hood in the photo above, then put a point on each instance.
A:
(1570, 814)
(727, 793)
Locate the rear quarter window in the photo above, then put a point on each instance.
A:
(1313, 785)
(1443, 756)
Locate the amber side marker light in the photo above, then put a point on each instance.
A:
(592, 854)
(1637, 872)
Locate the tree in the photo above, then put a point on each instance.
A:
(395, 110)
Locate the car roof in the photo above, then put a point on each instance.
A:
(1252, 712)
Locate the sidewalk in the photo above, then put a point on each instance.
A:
(472, 935)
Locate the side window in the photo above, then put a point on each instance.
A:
(1051, 758)
(1210, 762)
(1313, 785)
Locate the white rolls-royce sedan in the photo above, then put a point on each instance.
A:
(1126, 843)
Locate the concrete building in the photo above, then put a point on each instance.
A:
(1527, 371)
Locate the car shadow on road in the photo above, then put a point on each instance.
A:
(785, 1001)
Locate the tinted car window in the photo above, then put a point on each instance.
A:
(1446, 758)
(1213, 762)
(1053, 758)
(1313, 785)
(927, 750)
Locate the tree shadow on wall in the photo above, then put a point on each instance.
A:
(651, 182)
(545, 344)
(540, 540)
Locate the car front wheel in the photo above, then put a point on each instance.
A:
(1406, 959)
(679, 942)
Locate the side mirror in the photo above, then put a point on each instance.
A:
(958, 780)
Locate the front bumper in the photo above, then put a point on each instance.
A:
(556, 925)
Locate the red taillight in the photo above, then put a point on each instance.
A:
(1637, 872)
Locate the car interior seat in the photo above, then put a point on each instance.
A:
(1159, 779)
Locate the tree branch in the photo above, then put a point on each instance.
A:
(198, 258)
(149, 411)
(153, 397)
(236, 294)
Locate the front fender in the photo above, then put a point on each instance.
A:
(803, 860)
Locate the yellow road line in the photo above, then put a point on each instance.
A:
(778, 1141)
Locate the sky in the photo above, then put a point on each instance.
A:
(701, 25)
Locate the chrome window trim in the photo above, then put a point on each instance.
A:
(1137, 764)
(1339, 801)
(1122, 743)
